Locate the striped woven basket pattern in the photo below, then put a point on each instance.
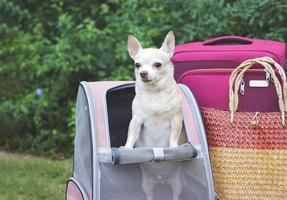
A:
(247, 163)
(248, 150)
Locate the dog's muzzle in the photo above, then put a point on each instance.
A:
(144, 76)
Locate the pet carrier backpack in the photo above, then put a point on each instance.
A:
(105, 171)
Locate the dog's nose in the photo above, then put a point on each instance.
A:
(144, 74)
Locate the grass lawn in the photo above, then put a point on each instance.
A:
(24, 177)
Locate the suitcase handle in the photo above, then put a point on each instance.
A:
(228, 40)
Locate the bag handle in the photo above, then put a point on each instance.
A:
(228, 40)
(237, 76)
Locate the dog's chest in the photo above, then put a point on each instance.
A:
(160, 105)
(156, 112)
(154, 133)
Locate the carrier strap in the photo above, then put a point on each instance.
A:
(158, 154)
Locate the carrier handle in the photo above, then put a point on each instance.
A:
(147, 154)
(229, 40)
(237, 76)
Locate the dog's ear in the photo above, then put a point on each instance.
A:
(168, 44)
(133, 46)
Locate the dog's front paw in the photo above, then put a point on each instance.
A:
(127, 147)
(173, 144)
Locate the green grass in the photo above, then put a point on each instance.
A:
(24, 177)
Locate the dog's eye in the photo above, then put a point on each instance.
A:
(157, 65)
(137, 65)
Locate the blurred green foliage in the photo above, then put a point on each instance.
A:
(53, 45)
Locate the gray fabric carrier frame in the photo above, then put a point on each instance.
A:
(94, 167)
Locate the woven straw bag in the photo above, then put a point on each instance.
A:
(248, 150)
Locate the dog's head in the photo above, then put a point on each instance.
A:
(152, 64)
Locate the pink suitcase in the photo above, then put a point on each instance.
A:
(226, 51)
(210, 87)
